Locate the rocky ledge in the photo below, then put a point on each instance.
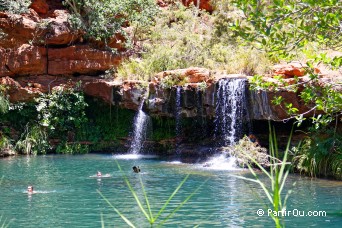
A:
(197, 87)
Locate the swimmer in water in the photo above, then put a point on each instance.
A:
(99, 174)
(30, 189)
(136, 169)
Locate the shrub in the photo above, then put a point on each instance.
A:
(102, 19)
(73, 148)
(320, 154)
(4, 102)
(184, 37)
(255, 153)
(15, 6)
(34, 140)
(6, 146)
(61, 111)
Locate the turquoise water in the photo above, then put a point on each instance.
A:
(67, 197)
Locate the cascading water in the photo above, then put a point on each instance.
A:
(178, 116)
(231, 110)
(141, 121)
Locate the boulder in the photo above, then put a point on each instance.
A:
(16, 30)
(190, 75)
(40, 6)
(58, 30)
(290, 70)
(202, 4)
(101, 89)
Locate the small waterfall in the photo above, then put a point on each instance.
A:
(141, 121)
(231, 110)
(178, 116)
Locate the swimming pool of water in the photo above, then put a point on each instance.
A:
(66, 195)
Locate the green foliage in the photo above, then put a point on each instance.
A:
(17, 118)
(173, 80)
(320, 154)
(15, 6)
(72, 148)
(61, 111)
(163, 128)
(4, 102)
(281, 26)
(102, 19)
(5, 144)
(106, 124)
(34, 140)
(152, 219)
(184, 37)
(277, 175)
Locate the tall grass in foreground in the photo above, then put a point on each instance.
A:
(149, 215)
(277, 174)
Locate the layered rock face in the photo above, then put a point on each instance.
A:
(36, 44)
(39, 51)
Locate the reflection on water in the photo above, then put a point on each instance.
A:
(67, 197)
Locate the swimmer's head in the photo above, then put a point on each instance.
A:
(30, 188)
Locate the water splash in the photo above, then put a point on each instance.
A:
(141, 121)
(221, 162)
(230, 110)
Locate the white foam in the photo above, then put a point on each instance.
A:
(102, 176)
(221, 162)
(133, 156)
(40, 192)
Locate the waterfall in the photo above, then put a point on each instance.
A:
(231, 110)
(141, 121)
(178, 117)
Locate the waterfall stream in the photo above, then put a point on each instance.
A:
(178, 116)
(230, 110)
(141, 121)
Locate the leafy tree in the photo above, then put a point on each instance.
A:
(284, 29)
(281, 26)
(101, 19)
(62, 111)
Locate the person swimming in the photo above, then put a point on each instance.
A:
(30, 189)
(136, 169)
